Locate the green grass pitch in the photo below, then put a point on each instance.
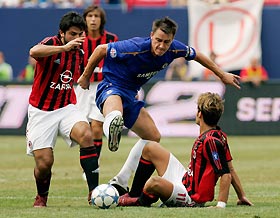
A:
(256, 159)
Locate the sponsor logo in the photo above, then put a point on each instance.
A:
(147, 75)
(65, 78)
(258, 109)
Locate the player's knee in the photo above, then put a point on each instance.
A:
(97, 132)
(149, 148)
(85, 139)
(153, 184)
(45, 166)
(155, 136)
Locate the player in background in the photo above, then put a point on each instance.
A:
(179, 187)
(95, 18)
(52, 108)
(128, 65)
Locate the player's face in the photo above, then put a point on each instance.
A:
(93, 20)
(160, 42)
(72, 33)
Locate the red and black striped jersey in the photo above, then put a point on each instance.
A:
(53, 78)
(209, 157)
(89, 45)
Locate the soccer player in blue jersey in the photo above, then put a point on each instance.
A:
(128, 65)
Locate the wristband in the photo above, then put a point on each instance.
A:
(221, 204)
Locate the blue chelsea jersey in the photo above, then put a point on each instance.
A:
(130, 63)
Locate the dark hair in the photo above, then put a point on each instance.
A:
(166, 25)
(72, 19)
(102, 15)
(211, 106)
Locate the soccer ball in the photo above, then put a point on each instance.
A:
(105, 196)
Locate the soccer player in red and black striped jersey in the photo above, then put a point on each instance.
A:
(95, 18)
(194, 186)
(52, 108)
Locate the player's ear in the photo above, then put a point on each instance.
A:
(151, 35)
(61, 33)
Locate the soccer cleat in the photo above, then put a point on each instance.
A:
(40, 201)
(115, 131)
(121, 188)
(126, 200)
(89, 198)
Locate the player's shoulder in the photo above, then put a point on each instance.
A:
(110, 34)
(176, 44)
(51, 40)
(133, 44)
(140, 42)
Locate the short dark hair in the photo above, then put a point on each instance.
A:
(211, 106)
(72, 19)
(102, 15)
(166, 24)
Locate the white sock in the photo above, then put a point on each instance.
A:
(131, 162)
(108, 119)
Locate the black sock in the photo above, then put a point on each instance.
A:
(98, 145)
(144, 171)
(43, 185)
(147, 199)
(89, 163)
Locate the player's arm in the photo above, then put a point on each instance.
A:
(98, 54)
(227, 78)
(217, 157)
(225, 181)
(41, 50)
(235, 181)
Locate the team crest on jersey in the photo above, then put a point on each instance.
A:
(215, 155)
(113, 53)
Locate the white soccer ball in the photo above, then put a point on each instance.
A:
(105, 196)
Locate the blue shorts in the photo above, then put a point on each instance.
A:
(131, 106)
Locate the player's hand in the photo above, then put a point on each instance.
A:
(83, 82)
(215, 207)
(244, 201)
(74, 44)
(231, 79)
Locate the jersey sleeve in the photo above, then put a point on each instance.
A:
(183, 50)
(191, 54)
(47, 41)
(216, 153)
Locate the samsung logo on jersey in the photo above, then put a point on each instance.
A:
(147, 75)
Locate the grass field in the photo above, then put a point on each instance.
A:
(256, 160)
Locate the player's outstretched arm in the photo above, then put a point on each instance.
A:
(227, 78)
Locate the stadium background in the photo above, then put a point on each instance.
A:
(22, 28)
(259, 108)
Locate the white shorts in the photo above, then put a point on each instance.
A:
(43, 126)
(86, 102)
(174, 174)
